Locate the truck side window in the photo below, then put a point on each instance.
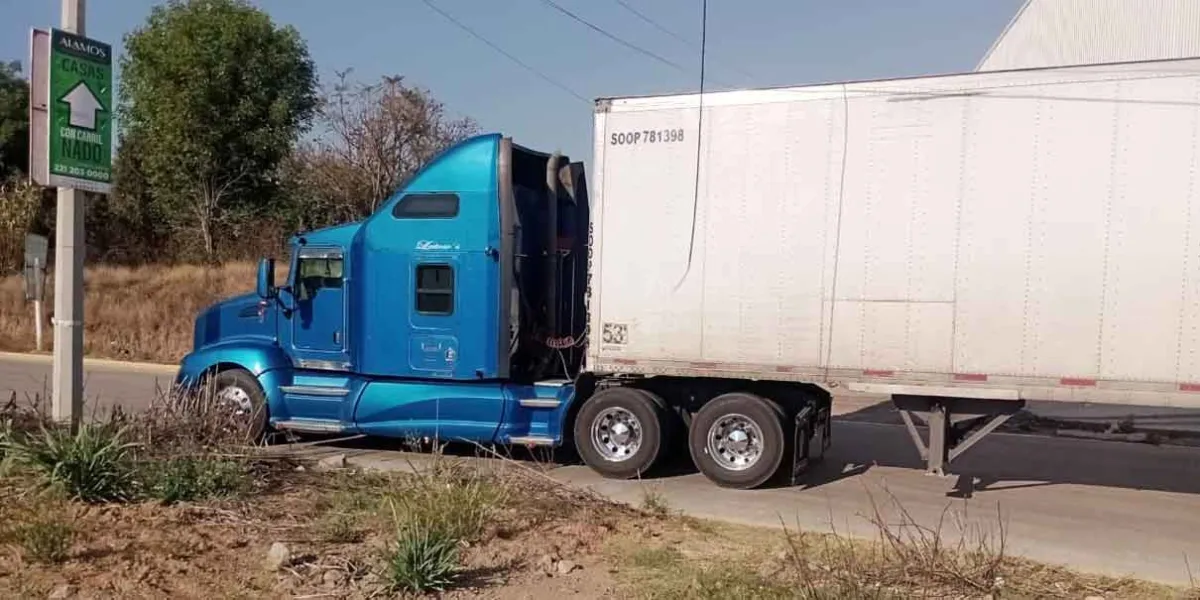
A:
(315, 273)
(427, 206)
(435, 289)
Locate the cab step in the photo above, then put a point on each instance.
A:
(530, 440)
(311, 426)
(540, 402)
(315, 390)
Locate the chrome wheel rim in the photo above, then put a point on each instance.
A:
(236, 400)
(616, 434)
(735, 442)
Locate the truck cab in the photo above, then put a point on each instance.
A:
(455, 312)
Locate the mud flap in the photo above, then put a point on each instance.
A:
(813, 431)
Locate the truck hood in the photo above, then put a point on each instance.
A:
(237, 318)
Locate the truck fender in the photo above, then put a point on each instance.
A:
(585, 386)
(255, 358)
(266, 362)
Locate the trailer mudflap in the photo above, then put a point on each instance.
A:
(812, 424)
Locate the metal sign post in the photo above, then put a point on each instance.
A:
(74, 154)
(38, 315)
(37, 247)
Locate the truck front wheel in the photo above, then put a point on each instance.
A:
(238, 394)
(619, 432)
(737, 440)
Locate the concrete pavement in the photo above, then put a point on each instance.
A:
(1115, 508)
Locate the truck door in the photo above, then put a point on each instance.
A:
(319, 322)
(449, 291)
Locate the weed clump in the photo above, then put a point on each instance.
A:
(188, 479)
(731, 582)
(44, 531)
(424, 558)
(173, 452)
(95, 464)
(341, 528)
(455, 500)
(433, 514)
(655, 503)
(45, 540)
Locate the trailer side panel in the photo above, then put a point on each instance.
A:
(1031, 230)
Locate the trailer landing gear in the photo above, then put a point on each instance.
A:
(955, 424)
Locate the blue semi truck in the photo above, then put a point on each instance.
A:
(743, 255)
(458, 312)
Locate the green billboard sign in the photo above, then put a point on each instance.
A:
(80, 112)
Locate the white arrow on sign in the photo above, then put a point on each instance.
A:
(84, 106)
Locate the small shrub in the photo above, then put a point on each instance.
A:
(341, 528)
(655, 503)
(187, 479)
(93, 465)
(180, 421)
(655, 558)
(455, 500)
(359, 500)
(44, 532)
(46, 541)
(424, 558)
(736, 582)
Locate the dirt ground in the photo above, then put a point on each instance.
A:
(217, 549)
(537, 543)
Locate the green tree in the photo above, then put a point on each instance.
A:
(217, 95)
(14, 120)
(128, 226)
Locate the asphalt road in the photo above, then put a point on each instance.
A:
(1106, 507)
(27, 379)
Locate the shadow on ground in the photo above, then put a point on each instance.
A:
(1020, 457)
(868, 439)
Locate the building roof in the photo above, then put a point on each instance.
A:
(1047, 33)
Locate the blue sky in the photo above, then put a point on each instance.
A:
(751, 43)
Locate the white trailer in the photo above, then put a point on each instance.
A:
(963, 243)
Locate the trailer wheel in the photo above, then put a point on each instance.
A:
(238, 392)
(737, 440)
(619, 432)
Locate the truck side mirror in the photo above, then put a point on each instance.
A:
(266, 278)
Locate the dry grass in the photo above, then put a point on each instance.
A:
(140, 314)
(671, 559)
(515, 533)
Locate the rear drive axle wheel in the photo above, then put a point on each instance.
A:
(619, 432)
(738, 440)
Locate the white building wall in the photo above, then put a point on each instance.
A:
(1048, 33)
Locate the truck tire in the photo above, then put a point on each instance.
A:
(738, 441)
(619, 432)
(239, 391)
